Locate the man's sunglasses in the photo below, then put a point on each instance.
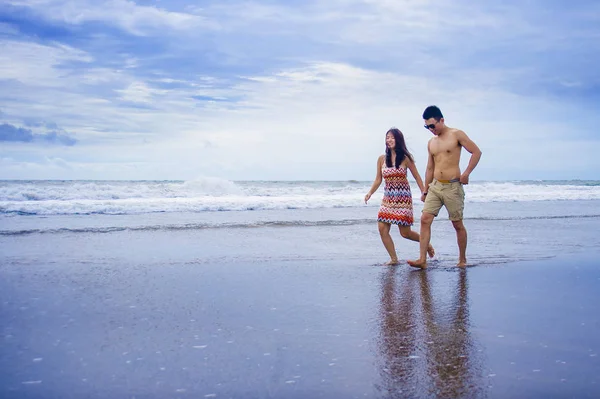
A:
(429, 127)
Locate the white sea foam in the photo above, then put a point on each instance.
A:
(211, 194)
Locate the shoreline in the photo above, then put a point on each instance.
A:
(300, 328)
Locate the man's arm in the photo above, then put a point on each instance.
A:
(475, 152)
(429, 171)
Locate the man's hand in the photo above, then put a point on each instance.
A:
(464, 178)
(423, 197)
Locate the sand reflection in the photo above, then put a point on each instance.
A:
(425, 344)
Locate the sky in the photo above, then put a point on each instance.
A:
(293, 90)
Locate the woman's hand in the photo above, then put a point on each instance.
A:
(367, 197)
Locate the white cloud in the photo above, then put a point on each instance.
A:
(321, 116)
(36, 64)
(322, 120)
(126, 14)
(139, 92)
(7, 29)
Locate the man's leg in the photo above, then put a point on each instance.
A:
(455, 203)
(425, 237)
(461, 238)
(388, 243)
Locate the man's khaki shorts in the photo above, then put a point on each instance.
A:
(450, 195)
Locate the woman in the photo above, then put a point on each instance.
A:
(396, 206)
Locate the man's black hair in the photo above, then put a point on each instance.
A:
(432, 112)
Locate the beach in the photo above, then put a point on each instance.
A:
(294, 303)
(236, 199)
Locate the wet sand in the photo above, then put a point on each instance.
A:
(175, 326)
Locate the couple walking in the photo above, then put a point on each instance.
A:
(442, 187)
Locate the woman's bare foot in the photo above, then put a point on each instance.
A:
(462, 263)
(419, 263)
(430, 251)
(391, 262)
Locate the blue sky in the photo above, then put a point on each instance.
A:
(243, 90)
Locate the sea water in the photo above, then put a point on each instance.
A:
(507, 220)
(276, 289)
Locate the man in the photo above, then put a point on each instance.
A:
(444, 181)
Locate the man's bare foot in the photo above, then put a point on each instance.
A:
(430, 251)
(419, 263)
(462, 263)
(392, 262)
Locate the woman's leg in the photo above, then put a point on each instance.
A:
(406, 232)
(388, 243)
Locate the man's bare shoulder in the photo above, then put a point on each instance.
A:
(431, 142)
(458, 133)
(455, 131)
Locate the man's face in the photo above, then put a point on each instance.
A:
(433, 125)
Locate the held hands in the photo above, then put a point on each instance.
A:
(423, 197)
(367, 197)
(464, 178)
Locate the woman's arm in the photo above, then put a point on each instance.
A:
(378, 179)
(413, 169)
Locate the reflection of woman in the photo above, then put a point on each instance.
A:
(397, 339)
(396, 206)
(425, 349)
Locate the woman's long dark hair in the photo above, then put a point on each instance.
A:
(401, 151)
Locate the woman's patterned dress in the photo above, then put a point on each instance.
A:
(396, 206)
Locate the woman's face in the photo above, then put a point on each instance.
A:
(390, 141)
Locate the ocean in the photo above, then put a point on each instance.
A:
(507, 220)
(215, 288)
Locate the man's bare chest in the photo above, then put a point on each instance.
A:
(445, 147)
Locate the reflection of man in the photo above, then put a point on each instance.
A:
(451, 356)
(444, 181)
(424, 352)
